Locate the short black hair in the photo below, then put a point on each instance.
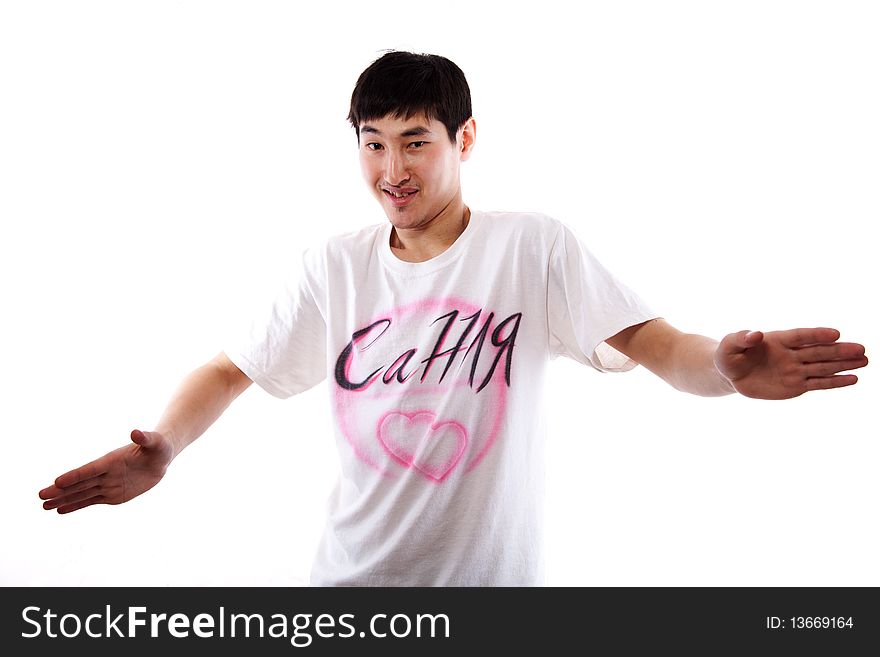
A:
(403, 84)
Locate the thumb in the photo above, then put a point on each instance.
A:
(736, 343)
(143, 438)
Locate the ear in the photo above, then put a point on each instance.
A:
(468, 138)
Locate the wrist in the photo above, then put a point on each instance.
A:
(727, 387)
(172, 439)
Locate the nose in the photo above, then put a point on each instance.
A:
(396, 170)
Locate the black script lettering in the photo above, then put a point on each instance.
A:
(391, 373)
(506, 345)
(342, 362)
(396, 371)
(435, 353)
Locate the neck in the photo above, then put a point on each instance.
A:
(434, 237)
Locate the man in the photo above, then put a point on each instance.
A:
(435, 330)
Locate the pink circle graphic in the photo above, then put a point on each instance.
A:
(425, 388)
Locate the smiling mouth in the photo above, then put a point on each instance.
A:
(400, 199)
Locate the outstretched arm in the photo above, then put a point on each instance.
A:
(135, 468)
(772, 365)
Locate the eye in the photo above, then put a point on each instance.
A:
(418, 144)
(373, 146)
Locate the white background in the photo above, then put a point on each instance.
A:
(162, 162)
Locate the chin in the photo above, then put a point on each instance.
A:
(402, 223)
(402, 218)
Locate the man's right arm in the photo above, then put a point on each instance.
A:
(135, 468)
(201, 398)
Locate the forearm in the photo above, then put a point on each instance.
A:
(196, 404)
(691, 367)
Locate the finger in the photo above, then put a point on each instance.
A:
(49, 492)
(836, 351)
(800, 337)
(833, 367)
(828, 382)
(98, 499)
(142, 438)
(54, 491)
(72, 498)
(87, 471)
(736, 343)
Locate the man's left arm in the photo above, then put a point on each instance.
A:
(772, 365)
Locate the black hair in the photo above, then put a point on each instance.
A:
(403, 84)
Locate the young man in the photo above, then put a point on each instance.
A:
(434, 330)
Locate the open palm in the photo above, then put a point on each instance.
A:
(116, 477)
(785, 364)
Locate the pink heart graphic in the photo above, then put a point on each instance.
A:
(417, 440)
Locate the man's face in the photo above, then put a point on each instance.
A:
(412, 167)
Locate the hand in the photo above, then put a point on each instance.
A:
(116, 477)
(785, 364)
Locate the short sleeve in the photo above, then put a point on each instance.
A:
(586, 305)
(282, 346)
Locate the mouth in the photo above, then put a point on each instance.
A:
(400, 198)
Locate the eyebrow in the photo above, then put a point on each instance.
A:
(418, 131)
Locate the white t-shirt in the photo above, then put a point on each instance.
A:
(435, 373)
